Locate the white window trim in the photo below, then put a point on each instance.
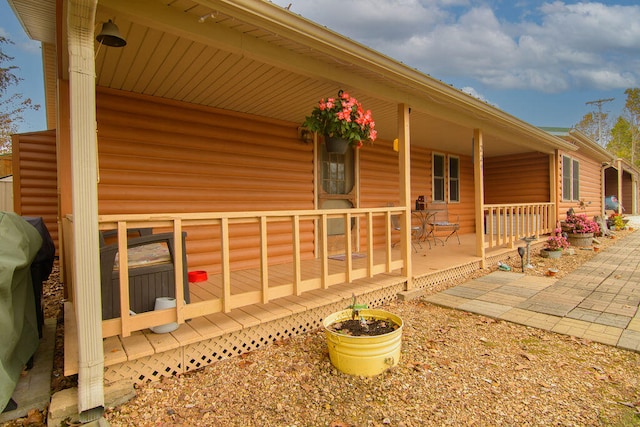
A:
(572, 180)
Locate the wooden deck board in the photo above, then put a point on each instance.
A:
(113, 351)
(205, 328)
(136, 345)
(161, 342)
(187, 333)
(224, 322)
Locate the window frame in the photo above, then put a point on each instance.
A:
(570, 179)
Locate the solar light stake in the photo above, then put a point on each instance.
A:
(521, 253)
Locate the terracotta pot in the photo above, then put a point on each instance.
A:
(552, 272)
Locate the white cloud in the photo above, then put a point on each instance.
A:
(552, 48)
(472, 92)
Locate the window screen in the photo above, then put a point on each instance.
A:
(438, 177)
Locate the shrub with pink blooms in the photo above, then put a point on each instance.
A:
(557, 242)
(580, 224)
(342, 117)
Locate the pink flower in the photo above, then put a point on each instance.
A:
(342, 117)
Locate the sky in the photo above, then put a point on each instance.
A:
(541, 61)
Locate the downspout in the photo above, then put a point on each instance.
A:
(84, 189)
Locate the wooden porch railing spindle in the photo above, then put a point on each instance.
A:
(348, 247)
(226, 273)
(370, 244)
(324, 260)
(123, 265)
(297, 290)
(264, 260)
(179, 276)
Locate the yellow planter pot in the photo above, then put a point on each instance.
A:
(364, 355)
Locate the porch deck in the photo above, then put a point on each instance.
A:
(203, 340)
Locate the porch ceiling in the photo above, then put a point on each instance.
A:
(257, 58)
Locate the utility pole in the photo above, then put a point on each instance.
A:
(599, 103)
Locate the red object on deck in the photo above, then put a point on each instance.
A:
(197, 276)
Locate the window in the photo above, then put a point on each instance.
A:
(570, 179)
(454, 179)
(438, 177)
(337, 172)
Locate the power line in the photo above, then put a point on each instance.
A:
(599, 103)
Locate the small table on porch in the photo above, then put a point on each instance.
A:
(424, 216)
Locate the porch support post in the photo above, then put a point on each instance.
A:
(84, 188)
(478, 179)
(553, 188)
(620, 174)
(404, 149)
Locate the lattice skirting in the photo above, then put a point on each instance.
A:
(203, 353)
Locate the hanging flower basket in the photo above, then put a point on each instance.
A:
(343, 118)
(336, 145)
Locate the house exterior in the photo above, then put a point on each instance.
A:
(590, 174)
(580, 174)
(195, 126)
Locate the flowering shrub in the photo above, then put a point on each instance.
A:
(557, 242)
(342, 117)
(579, 223)
(616, 220)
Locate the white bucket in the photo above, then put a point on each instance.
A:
(163, 303)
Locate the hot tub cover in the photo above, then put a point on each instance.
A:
(19, 244)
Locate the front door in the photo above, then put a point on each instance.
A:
(336, 191)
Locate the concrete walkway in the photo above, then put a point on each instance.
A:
(598, 301)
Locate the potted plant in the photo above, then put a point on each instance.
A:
(554, 245)
(363, 341)
(342, 122)
(616, 221)
(580, 229)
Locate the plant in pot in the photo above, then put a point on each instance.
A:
(580, 229)
(363, 341)
(554, 245)
(342, 122)
(616, 221)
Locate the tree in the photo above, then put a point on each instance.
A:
(12, 105)
(590, 126)
(620, 142)
(632, 111)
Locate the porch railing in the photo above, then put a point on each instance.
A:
(232, 297)
(507, 224)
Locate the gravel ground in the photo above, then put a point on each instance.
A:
(456, 368)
